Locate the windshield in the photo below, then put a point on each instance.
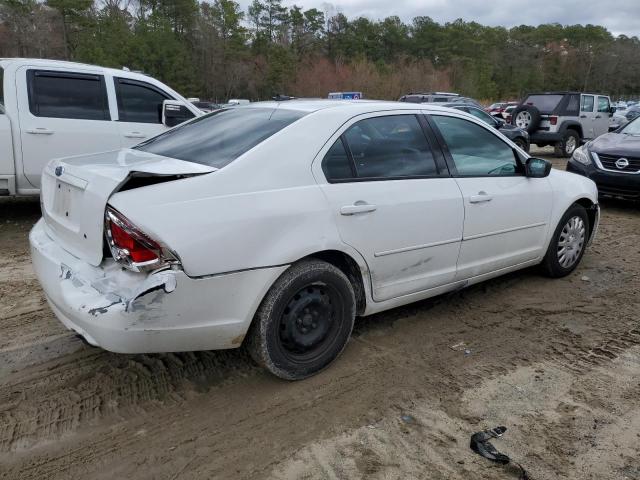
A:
(544, 103)
(632, 128)
(219, 138)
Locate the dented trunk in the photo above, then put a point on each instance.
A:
(75, 192)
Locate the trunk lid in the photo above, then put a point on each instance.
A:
(75, 192)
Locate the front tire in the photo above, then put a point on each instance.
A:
(568, 144)
(304, 321)
(568, 243)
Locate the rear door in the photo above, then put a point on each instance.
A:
(601, 119)
(393, 201)
(505, 213)
(587, 108)
(62, 113)
(139, 110)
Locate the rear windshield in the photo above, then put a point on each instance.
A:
(544, 103)
(219, 138)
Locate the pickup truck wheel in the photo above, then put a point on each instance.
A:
(304, 321)
(568, 144)
(568, 243)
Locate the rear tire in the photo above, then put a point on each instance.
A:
(568, 243)
(304, 321)
(565, 147)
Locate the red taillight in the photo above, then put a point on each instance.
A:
(132, 247)
(137, 251)
(553, 120)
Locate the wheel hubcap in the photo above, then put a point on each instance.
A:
(523, 119)
(571, 242)
(308, 321)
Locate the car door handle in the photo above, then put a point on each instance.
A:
(40, 131)
(357, 208)
(480, 198)
(598, 116)
(134, 135)
(583, 116)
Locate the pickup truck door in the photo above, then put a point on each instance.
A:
(139, 110)
(601, 119)
(62, 113)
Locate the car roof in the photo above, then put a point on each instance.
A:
(44, 63)
(566, 92)
(351, 107)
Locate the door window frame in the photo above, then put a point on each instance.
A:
(593, 104)
(438, 156)
(31, 73)
(520, 172)
(117, 81)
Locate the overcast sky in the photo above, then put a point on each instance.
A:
(619, 16)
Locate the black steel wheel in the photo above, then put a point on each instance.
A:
(305, 320)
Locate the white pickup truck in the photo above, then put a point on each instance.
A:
(51, 109)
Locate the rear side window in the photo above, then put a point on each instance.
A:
(139, 102)
(586, 103)
(544, 103)
(219, 138)
(603, 105)
(476, 152)
(67, 95)
(382, 147)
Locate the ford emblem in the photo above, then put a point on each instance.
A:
(622, 163)
(59, 171)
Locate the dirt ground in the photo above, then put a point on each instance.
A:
(556, 362)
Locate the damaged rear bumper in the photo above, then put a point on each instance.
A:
(129, 312)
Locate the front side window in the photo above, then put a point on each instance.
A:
(603, 105)
(219, 138)
(586, 103)
(475, 150)
(67, 95)
(139, 102)
(383, 147)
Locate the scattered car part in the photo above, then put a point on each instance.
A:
(481, 445)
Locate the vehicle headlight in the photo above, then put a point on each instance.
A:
(581, 155)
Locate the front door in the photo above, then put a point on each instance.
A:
(394, 203)
(601, 120)
(62, 114)
(506, 214)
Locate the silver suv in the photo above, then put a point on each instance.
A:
(563, 119)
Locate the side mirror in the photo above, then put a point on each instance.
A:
(612, 110)
(174, 112)
(537, 167)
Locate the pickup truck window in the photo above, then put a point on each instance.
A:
(219, 138)
(139, 102)
(67, 95)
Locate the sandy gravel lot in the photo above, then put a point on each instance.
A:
(557, 362)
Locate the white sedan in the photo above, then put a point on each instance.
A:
(276, 224)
